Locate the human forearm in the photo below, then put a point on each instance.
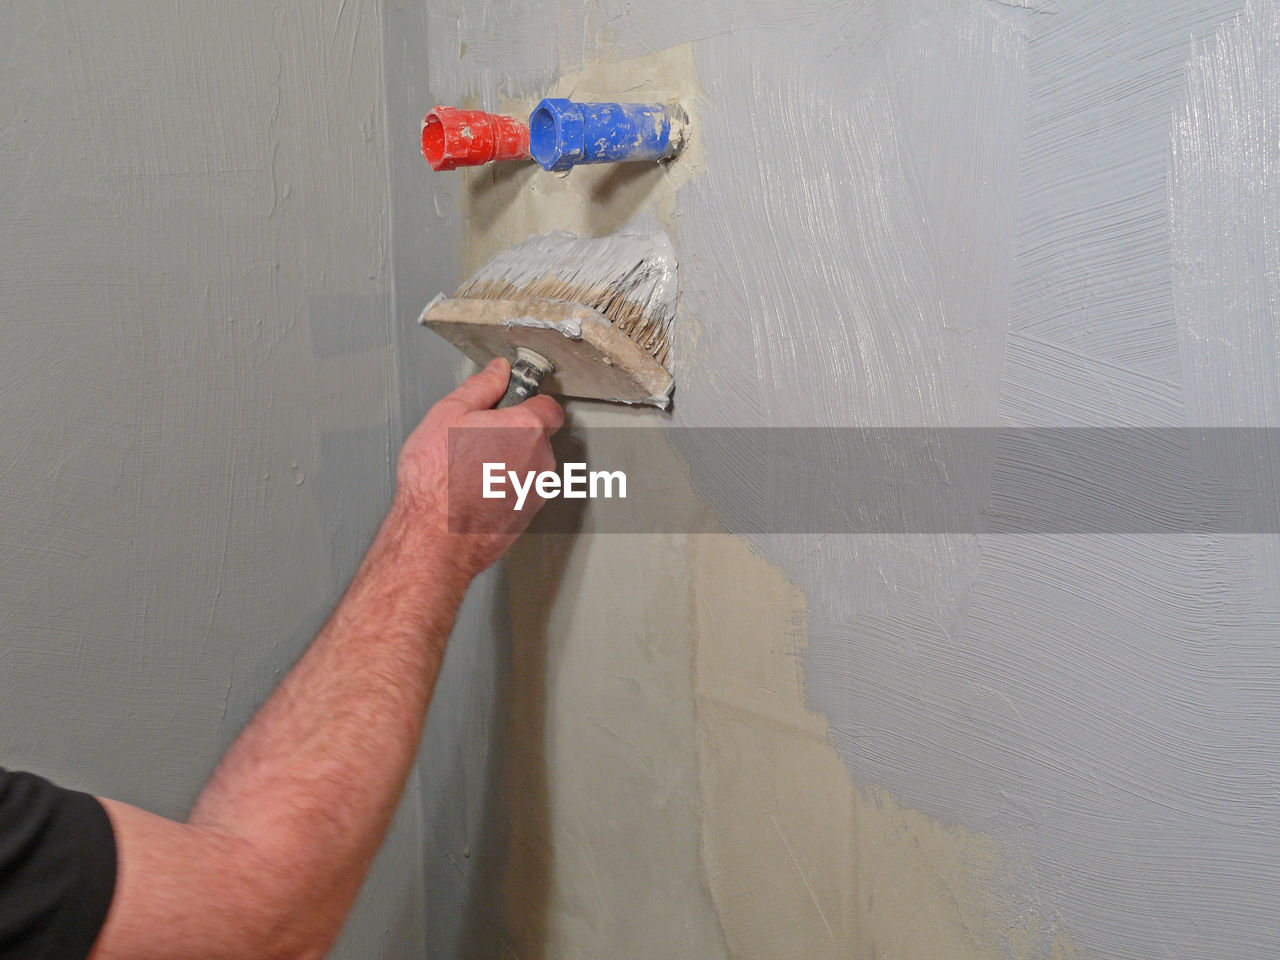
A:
(283, 832)
(316, 775)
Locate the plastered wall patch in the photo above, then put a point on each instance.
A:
(799, 860)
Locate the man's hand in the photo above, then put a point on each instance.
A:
(474, 531)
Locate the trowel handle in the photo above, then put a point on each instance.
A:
(527, 374)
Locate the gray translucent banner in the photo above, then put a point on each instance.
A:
(894, 480)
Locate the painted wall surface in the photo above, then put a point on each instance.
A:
(197, 380)
(681, 746)
(1030, 214)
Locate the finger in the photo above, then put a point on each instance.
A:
(482, 390)
(549, 413)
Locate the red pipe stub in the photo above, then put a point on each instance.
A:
(467, 138)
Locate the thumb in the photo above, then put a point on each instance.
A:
(482, 390)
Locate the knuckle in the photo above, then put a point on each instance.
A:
(527, 418)
(548, 412)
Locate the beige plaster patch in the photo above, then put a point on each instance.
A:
(799, 860)
(601, 788)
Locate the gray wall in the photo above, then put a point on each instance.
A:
(199, 387)
(1058, 213)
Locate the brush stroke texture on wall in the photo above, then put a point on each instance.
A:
(197, 382)
(1106, 703)
(1040, 213)
(1088, 698)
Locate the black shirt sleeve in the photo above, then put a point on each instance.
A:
(57, 869)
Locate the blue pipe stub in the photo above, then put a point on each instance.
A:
(563, 134)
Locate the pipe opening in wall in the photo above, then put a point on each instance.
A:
(433, 141)
(542, 136)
